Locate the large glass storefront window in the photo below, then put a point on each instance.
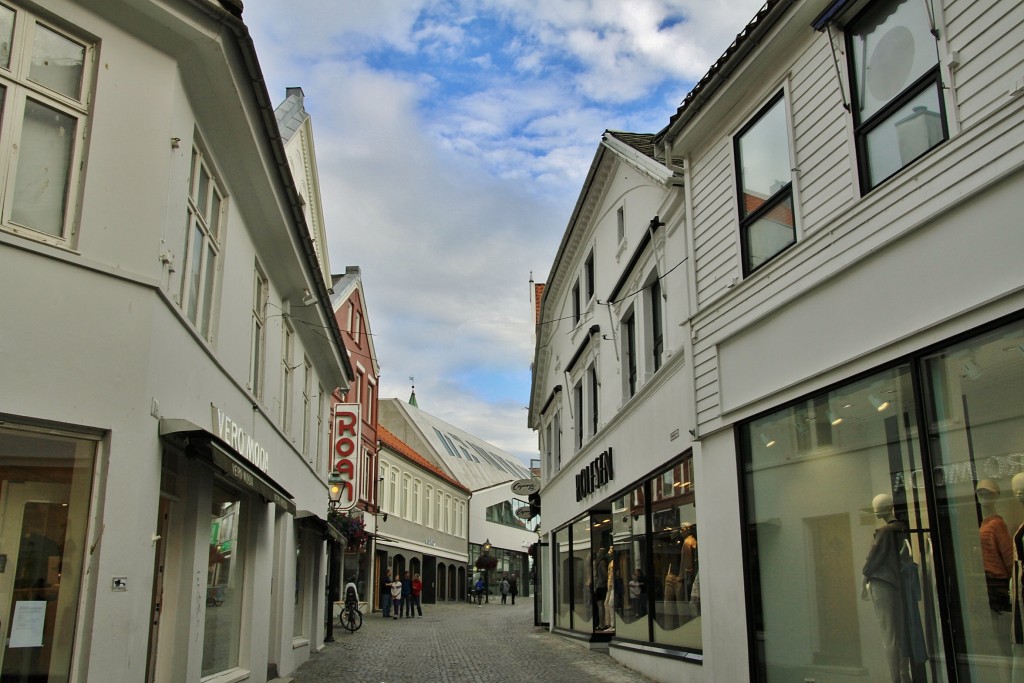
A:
(629, 530)
(874, 550)
(224, 581)
(45, 482)
(676, 581)
(975, 408)
(563, 578)
(582, 578)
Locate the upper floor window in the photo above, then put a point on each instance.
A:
(588, 276)
(592, 382)
(895, 86)
(577, 407)
(202, 244)
(287, 383)
(428, 518)
(357, 327)
(415, 511)
(44, 92)
(577, 307)
(307, 398)
(620, 228)
(320, 396)
(764, 178)
(260, 296)
(657, 334)
(629, 353)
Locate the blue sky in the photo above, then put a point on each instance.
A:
(452, 140)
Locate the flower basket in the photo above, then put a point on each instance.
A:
(352, 528)
(486, 562)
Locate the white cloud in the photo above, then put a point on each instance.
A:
(450, 160)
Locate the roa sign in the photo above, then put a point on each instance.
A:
(345, 451)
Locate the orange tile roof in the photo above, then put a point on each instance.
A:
(387, 438)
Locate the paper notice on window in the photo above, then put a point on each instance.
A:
(27, 625)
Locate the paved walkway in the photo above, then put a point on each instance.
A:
(459, 643)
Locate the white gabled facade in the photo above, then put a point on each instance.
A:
(163, 424)
(854, 336)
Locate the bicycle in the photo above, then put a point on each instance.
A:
(351, 618)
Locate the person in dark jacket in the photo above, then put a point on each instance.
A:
(513, 587)
(407, 594)
(385, 594)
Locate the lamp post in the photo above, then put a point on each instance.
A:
(334, 481)
(487, 572)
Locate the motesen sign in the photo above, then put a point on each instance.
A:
(347, 429)
(595, 475)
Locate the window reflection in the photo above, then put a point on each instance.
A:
(224, 582)
(582, 577)
(629, 531)
(676, 569)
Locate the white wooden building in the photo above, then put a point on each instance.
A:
(848, 322)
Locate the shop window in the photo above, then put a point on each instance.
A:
(44, 511)
(581, 575)
(629, 527)
(838, 533)
(896, 87)
(767, 225)
(562, 578)
(299, 618)
(675, 570)
(203, 242)
(44, 96)
(225, 580)
(975, 410)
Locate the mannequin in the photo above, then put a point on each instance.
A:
(996, 548)
(882, 585)
(600, 588)
(609, 601)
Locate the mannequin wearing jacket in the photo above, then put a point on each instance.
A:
(882, 586)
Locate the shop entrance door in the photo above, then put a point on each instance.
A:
(159, 561)
(33, 534)
(429, 578)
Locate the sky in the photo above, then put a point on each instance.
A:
(452, 140)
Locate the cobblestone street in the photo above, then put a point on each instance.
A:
(459, 643)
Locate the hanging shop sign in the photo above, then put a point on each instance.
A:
(525, 487)
(347, 429)
(524, 512)
(231, 433)
(595, 475)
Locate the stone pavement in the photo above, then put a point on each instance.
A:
(459, 643)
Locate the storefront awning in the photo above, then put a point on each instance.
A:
(199, 443)
(314, 521)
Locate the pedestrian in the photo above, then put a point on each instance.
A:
(504, 589)
(396, 597)
(407, 595)
(385, 594)
(513, 587)
(479, 590)
(417, 588)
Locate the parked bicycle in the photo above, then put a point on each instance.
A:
(351, 618)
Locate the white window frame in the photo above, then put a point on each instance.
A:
(307, 397)
(320, 404)
(428, 520)
(406, 494)
(417, 486)
(16, 79)
(258, 350)
(210, 229)
(287, 375)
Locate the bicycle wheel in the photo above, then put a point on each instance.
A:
(351, 619)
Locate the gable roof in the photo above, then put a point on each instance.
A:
(405, 450)
(474, 462)
(346, 286)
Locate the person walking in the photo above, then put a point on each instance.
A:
(407, 595)
(414, 597)
(385, 594)
(396, 597)
(504, 590)
(513, 587)
(479, 587)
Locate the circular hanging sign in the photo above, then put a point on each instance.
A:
(525, 487)
(523, 512)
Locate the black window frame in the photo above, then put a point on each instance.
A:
(657, 331)
(771, 203)
(588, 276)
(577, 309)
(862, 129)
(629, 340)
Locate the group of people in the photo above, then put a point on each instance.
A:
(401, 595)
(509, 586)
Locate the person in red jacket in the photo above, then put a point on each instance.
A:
(414, 595)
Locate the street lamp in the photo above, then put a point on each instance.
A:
(487, 572)
(334, 482)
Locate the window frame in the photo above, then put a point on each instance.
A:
(19, 87)
(212, 243)
(930, 79)
(258, 350)
(629, 355)
(772, 202)
(577, 305)
(287, 375)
